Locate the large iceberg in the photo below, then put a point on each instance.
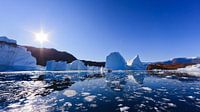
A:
(136, 64)
(77, 65)
(56, 66)
(115, 61)
(15, 57)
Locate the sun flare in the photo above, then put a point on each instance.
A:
(41, 37)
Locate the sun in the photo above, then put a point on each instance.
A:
(41, 37)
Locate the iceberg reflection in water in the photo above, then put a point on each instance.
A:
(93, 91)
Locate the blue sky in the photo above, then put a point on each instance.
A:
(91, 29)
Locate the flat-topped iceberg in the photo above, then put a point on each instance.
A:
(57, 66)
(15, 57)
(136, 64)
(77, 65)
(115, 61)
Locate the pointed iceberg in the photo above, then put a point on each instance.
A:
(136, 64)
(115, 61)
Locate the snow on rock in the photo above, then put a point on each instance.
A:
(136, 64)
(77, 65)
(7, 40)
(15, 57)
(115, 61)
(193, 70)
(53, 65)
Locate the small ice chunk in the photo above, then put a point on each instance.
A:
(90, 98)
(85, 94)
(67, 104)
(191, 97)
(70, 93)
(124, 109)
(146, 88)
(171, 105)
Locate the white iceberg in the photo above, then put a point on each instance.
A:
(136, 64)
(77, 65)
(15, 57)
(56, 66)
(193, 70)
(115, 61)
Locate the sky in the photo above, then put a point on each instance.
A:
(91, 29)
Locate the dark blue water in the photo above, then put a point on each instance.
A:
(96, 92)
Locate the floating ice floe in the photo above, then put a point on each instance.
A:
(90, 98)
(124, 109)
(146, 88)
(70, 93)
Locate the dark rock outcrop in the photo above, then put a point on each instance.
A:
(43, 55)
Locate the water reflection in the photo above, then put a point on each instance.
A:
(83, 91)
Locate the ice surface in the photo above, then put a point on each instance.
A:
(115, 61)
(15, 57)
(77, 65)
(53, 65)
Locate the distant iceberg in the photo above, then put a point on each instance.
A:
(136, 64)
(14, 57)
(56, 66)
(115, 61)
(193, 70)
(77, 65)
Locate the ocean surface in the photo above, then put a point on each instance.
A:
(130, 91)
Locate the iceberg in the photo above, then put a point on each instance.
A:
(135, 64)
(14, 57)
(77, 65)
(193, 70)
(115, 61)
(56, 66)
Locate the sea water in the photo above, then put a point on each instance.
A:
(124, 91)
